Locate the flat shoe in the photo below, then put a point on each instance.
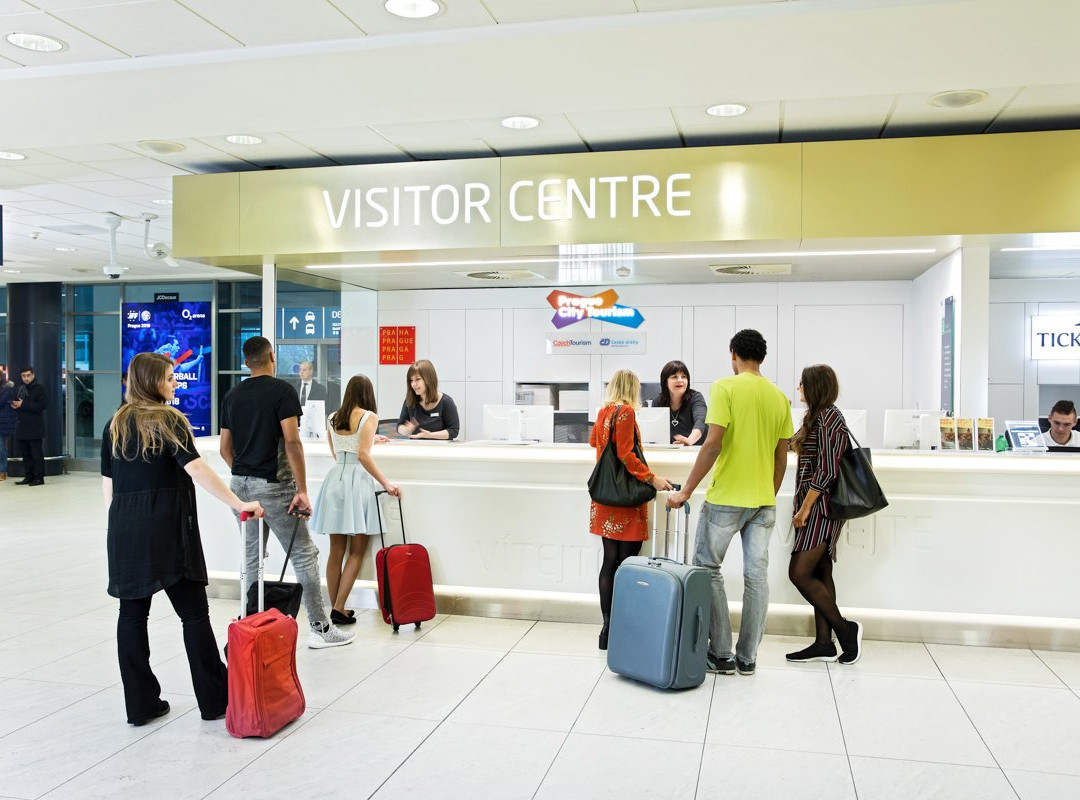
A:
(161, 711)
(341, 619)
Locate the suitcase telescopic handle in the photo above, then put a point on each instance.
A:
(401, 516)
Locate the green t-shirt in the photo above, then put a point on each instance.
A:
(755, 416)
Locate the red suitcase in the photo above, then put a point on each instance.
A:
(406, 594)
(264, 689)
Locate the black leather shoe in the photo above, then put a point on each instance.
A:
(161, 711)
(38, 482)
(23, 482)
(341, 619)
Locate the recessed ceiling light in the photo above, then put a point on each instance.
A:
(957, 98)
(727, 110)
(520, 123)
(161, 146)
(36, 42)
(13, 271)
(413, 9)
(243, 138)
(7, 156)
(65, 249)
(163, 201)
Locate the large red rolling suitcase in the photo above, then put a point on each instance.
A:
(264, 689)
(406, 594)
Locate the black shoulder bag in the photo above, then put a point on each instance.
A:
(611, 483)
(283, 595)
(857, 492)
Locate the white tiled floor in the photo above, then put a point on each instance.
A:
(482, 708)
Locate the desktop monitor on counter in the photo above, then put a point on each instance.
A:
(655, 425)
(519, 423)
(907, 429)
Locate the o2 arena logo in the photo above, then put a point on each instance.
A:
(571, 308)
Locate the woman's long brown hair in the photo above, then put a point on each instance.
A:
(426, 370)
(359, 393)
(146, 420)
(820, 388)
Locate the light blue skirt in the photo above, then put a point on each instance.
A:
(346, 502)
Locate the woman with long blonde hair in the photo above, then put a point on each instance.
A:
(148, 461)
(621, 529)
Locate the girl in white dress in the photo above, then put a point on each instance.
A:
(345, 508)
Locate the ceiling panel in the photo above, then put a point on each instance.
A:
(256, 22)
(506, 11)
(1042, 106)
(79, 194)
(87, 152)
(68, 171)
(121, 188)
(359, 145)
(609, 129)
(35, 207)
(275, 150)
(149, 28)
(864, 114)
(80, 46)
(372, 17)
(553, 134)
(680, 5)
(913, 114)
(15, 7)
(436, 140)
(760, 124)
(136, 168)
(52, 5)
(13, 177)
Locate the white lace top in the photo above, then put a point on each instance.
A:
(346, 442)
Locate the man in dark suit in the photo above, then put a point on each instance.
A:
(30, 434)
(308, 388)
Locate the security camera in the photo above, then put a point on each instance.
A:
(113, 271)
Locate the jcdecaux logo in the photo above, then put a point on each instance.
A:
(571, 308)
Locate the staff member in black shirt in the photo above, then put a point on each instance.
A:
(687, 405)
(427, 413)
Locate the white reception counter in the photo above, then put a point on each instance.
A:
(974, 547)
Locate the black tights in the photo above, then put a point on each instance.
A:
(615, 552)
(811, 572)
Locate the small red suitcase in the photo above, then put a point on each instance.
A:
(264, 689)
(403, 571)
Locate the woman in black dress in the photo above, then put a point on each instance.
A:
(148, 460)
(687, 406)
(427, 413)
(820, 442)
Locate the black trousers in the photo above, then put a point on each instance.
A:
(141, 688)
(33, 457)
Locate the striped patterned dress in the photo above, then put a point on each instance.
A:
(819, 467)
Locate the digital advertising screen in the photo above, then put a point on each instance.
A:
(182, 332)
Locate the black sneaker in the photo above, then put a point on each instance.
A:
(723, 666)
(815, 652)
(745, 667)
(851, 642)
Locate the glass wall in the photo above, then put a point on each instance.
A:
(309, 338)
(239, 318)
(3, 328)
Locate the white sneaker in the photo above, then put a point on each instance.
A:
(331, 637)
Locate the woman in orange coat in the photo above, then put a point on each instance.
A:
(622, 529)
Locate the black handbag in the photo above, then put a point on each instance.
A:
(857, 492)
(284, 596)
(611, 484)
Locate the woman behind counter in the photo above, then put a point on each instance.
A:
(427, 413)
(148, 460)
(820, 442)
(687, 405)
(622, 529)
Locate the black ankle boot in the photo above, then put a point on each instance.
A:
(604, 632)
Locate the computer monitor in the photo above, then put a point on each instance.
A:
(1024, 434)
(655, 425)
(519, 423)
(313, 421)
(904, 428)
(856, 423)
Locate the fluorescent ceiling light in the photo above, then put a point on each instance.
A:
(243, 138)
(640, 257)
(65, 249)
(36, 42)
(13, 271)
(957, 98)
(1039, 249)
(727, 110)
(8, 156)
(163, 201)
(521, 123)
(413, 9)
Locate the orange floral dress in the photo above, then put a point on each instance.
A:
(624, 524)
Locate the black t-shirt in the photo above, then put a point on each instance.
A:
(130, 473)
(252, 412)
(444, 417)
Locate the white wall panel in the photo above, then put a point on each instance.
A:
(763, 320)
(446, 344)
(1059, 372)
(1007, 350)
(865, 346)
(532, 364)
(1006, 402)
(713, 328)
(663, 342)
(483, 345)
(477, 395)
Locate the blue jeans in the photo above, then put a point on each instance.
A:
(717, 525)
(275, 499)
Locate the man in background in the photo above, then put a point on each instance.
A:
(309, 388)
(1062, 419)
(31, 402)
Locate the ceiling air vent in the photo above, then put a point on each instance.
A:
(501, 275)
(751, 269)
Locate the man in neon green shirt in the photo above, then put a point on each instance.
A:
(749, 424)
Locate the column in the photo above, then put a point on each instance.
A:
(35, 324)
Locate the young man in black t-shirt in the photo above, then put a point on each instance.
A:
(260, 442)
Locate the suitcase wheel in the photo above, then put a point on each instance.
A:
(417, 626)
(396, 626)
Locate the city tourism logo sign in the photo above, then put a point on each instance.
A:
(571, 308)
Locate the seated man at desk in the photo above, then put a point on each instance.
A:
(1062, 418)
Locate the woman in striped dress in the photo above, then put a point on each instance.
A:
(820, 442)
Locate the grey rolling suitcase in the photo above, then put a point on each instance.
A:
(660, 614)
